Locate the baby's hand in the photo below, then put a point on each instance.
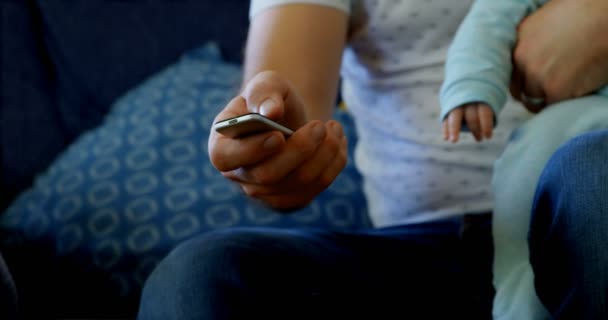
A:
(478, 116)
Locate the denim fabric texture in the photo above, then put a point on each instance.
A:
(436, 270)
(515, 180)
(8, 293)
(568, 242)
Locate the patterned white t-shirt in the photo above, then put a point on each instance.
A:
(392, 71)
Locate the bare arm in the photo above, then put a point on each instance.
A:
(304, 44)
(291, 75)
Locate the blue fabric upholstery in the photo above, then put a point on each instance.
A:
(64, 62)
(84, 238)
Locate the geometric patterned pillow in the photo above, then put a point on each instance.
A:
(83, 239)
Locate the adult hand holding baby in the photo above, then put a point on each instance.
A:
(561, 52)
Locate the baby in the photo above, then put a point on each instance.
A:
(479, 65)
(474, 91)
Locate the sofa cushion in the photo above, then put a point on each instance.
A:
(64, 62)
(84, 238)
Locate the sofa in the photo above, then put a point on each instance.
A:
(105, 112)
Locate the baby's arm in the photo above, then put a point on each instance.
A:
(478, 66)
(478, 117)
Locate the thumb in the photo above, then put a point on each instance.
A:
(271, 107)
(265, 93)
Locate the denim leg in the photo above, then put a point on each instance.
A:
(569, 230)
(8, 293)
(252, 273)
(515, 180)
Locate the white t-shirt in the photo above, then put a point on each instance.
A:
(392, 71)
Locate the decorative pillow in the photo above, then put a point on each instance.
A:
(84, 238)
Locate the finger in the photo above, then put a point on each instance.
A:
(235, 107)
(533, 95)
(299, 148)
(455, 123)
(486, 120)
(472, 120)
(311, 170)
(273, 96)
(228, 154)
(265, 93)
(303, 196)
(291, 200)
(515, 86)
(527, 89)
(324, 155)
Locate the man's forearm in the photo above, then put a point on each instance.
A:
(304, 44)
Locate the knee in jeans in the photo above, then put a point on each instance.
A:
(573, 167)
(204, 258)
(201, 275)
(581, 152)
(568, 190)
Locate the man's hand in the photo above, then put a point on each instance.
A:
(562, 52)
(478, 117)
(282, 173)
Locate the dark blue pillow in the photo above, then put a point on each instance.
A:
(86, 236)
(67, 61)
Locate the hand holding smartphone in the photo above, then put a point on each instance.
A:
(249, 124)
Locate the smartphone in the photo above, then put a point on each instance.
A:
(249, 124)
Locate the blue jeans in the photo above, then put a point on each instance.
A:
(568, 238)
(8, 293)
(433, 270)
(436, 270)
